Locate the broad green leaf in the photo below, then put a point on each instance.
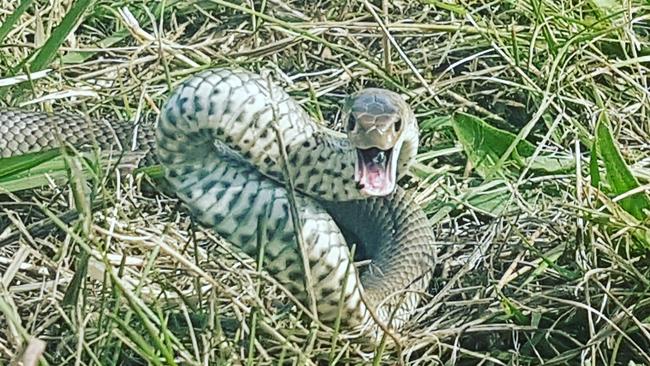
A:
(493, 203)
(618, 175)
(551, 164)
(484, 144)
(492, 198)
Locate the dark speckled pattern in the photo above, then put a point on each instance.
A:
(218, 146)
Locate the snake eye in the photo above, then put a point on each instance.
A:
(398, 125)
(351, 122)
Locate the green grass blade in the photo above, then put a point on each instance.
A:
(136, 341)
(49, 50)
(619, 176)
(78, 57)
(15, 165)
(12, 18)
(594, 173)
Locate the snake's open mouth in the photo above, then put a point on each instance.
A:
(375, 171)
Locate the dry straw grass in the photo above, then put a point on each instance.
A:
(536, 269)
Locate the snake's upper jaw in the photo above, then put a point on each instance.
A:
(375, 171)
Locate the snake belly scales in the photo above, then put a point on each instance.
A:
(217, 140)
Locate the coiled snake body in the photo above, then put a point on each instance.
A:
(223, 139)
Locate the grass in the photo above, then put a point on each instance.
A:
(533, 169)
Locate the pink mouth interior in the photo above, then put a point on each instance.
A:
(374, 171)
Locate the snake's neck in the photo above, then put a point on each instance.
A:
(377, 226)
(322, 164)
(238, 115)
(224, 115)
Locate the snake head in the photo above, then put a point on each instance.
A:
(375, 122)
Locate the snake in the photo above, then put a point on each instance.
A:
(250, 163)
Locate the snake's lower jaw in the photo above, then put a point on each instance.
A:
(375, 171)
